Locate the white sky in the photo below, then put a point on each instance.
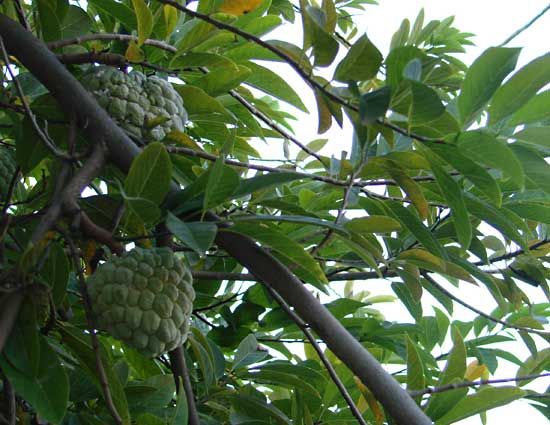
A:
(492, 21)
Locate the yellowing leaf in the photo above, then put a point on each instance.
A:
(239, 7)
(134, 53)
(170, 19)
(475, 371)
(144, 20)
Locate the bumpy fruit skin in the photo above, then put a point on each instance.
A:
(137, 102)
(7, 170)
(145, 299)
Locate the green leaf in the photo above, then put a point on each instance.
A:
(302, 262)
(294, 219)
(181, 412)
(456, 362)
(373, 224)
(535, 136)
(248, 353)
(415, 226)
(536, 168)
(198, 102)
(485, 399)
(534, 364)
(150, 174)
(76, 23)
(426, 105)
(285, 380)
(199, 236)
(397, 61)
(471, 170)
(483, 78)
(486, 149)
(117, 10)
(268, 81)
(315, 146)
(452, 192)
(535, 110)
(144, 20)
(409, 186)
(265, 181)
(325, 47)
(360, 63)
(494, 216)
(248, 409)
(373, 105)
(36, 389)
(440, 403)
(416, 379)
(56, 272)
(222, 182)
(519, 89)
(222, 79)
(77, 342)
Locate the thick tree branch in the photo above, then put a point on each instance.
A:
(97, 124)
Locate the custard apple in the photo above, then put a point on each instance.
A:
(144, 298)
(147, 107)
(7, 170)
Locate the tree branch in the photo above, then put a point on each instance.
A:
(330, 369)
(179, 369)
(436, 285)
(109, 37)
(465, 384)
(525, 27)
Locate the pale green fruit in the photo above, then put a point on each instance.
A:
(147, 107)
(145, 299)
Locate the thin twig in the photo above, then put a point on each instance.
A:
(179, 369)
(109, 37)
(512, 254)
(526, 26)
(481, 313)
(465, 384)
(248, 277)
(92, 329)
(21, 14)
(217, 304)
(275, 126)
(341, 210)
(313, 341)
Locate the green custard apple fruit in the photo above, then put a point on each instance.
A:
(147, 107)
(8, 167)
(145, 299)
